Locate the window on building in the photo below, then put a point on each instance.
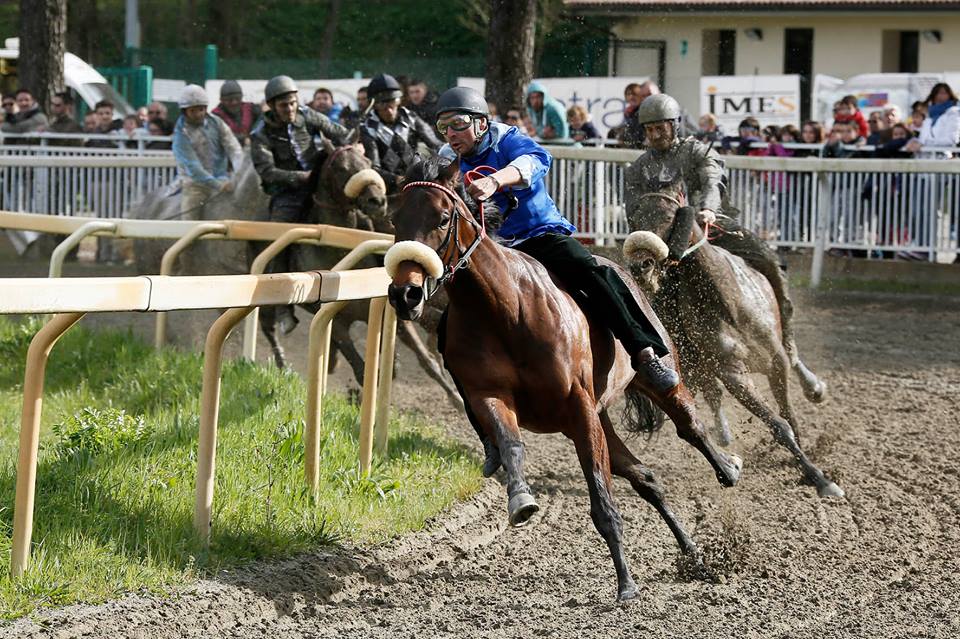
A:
(719, 52)
(901, 52)
(798, 59)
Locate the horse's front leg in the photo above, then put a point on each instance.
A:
(499, 421)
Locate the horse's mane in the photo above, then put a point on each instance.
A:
(431, 169)
(437, 169)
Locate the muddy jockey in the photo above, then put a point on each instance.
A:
(670, 160)
(508, 169)
(391, 133)
(203, 147)
(286, 146)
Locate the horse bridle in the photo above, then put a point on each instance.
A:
(675, 200)
(451, 241)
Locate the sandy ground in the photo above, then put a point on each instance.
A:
(879, 563)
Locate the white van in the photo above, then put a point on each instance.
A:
(86, 82)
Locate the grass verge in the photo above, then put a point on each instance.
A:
(879, 286)
(115, 483)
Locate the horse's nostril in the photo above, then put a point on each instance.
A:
(413, 296)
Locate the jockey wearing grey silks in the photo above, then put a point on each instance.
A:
(669, 160)
(204, 148)
(391, 133)
(285, 150)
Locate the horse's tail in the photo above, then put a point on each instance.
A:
(640, 414)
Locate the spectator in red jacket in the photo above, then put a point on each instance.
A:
(846, 111)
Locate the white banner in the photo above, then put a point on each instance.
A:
(601, 96)
(167, 90)
(771, 99)
(344, 90)
(876, 91)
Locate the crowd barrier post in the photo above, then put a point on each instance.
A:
(33, 378)
(168, 261)
(388, 350)
(72, 240)
(257, 268)
(371, 368)
(209, 416)
(318, 356)
(822, 214)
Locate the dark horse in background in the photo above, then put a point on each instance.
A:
(527, 356)
(723, 316)
(361, 205)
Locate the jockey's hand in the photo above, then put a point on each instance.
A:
(706, 216)
(226, 186)
(483, 189)
(303, 176)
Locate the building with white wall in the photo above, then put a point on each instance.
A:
(678, 41)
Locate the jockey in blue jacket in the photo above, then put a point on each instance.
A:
(533, 224)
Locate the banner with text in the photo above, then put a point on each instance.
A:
(771, 99)
(602, 97)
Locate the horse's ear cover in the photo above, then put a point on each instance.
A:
(680, 232)
(411, 251)
(639, 242)
(360, 180)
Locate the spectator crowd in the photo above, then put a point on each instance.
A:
(929, 131)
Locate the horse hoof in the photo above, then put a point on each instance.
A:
(830, 489)
(521, 508)
(628, 592)
(733, 474)
(818, 393)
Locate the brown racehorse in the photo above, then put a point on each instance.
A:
(526, 355)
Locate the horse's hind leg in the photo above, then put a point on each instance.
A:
(741, 387)
(587, 435)
(713, 394)
(679, 406)
(624, 464)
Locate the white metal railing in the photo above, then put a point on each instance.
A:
(873, 205)
(116, 143)
(104, 184)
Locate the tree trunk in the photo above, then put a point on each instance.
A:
(510, 43)
(329, 35)
(43, 41)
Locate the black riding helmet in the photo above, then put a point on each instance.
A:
(462, 100)
(384, 87)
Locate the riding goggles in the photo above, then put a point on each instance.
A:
(458, 122)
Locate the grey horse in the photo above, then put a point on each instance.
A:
(723, 316)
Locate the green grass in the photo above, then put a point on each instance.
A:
(878, 286)
(115, 484)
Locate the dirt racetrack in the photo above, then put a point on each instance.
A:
(879, 563)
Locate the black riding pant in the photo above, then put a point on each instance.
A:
(609, 296)
(287, 207)
(284, 207)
